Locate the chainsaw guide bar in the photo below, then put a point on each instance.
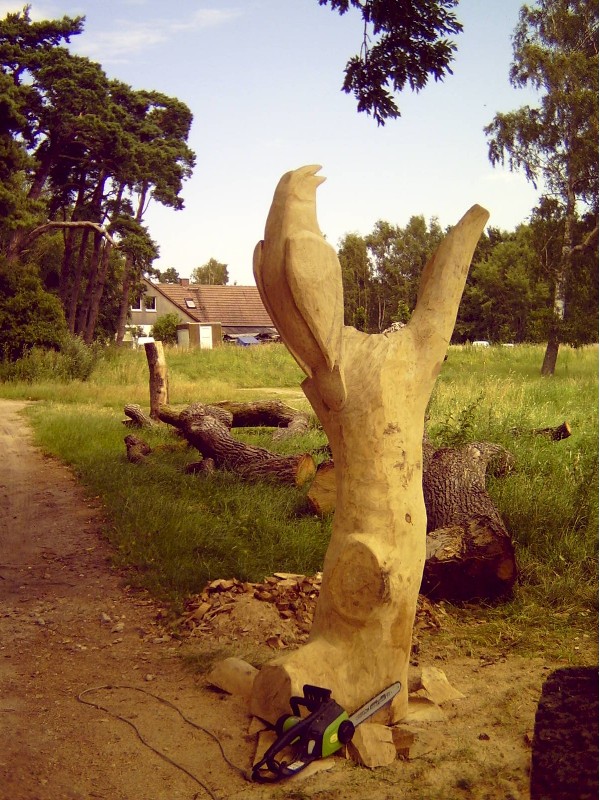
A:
(325, 730)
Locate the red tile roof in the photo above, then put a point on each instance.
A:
(230, 305)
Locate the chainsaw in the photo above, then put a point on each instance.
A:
(323, 732)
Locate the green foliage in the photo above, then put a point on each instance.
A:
(381, 271)
(505, 299)
(403, 44)
(458, 426)
(29, 316)
(79, 147)
(170, 275)
(165, 328)
(211, 273)
(555, 51)
(74, 360)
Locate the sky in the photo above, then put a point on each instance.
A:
(263, 81)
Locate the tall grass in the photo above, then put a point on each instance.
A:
(176, 531)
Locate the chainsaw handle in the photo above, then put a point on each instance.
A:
(259, 774)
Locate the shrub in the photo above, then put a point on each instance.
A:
(29, 317)
(73, 361)
(165, 328)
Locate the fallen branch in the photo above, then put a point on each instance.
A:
(556, 433)
(203, 429)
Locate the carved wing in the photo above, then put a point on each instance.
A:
(257, 267)
(314, 277)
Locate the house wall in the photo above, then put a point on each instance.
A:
(147, 317)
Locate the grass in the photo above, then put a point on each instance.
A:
(174, 532)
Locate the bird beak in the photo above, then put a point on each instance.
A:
(312, 170)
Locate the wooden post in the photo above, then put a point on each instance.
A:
(159, 381)
(370, 393)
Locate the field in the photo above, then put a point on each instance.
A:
(174, 532)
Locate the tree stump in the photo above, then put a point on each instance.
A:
(564, 758)
(370, 393)
(469, 552)
(159, 382)
(137, 449)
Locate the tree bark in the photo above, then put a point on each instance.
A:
(272, 413)
(469, 552)
(159, 379)
(137, 449)
(211, 437)
(136, 417)
(555, 433)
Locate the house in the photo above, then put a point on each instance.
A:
(208, 314)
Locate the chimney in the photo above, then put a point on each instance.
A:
(184, 281)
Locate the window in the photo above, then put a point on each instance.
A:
(190, 303)
(150, 303)
(137, 304)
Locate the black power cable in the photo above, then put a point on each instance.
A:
(109, 686)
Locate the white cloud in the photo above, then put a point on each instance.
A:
(117, 45)
(129, 37)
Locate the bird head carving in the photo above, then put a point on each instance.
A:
(295, 200)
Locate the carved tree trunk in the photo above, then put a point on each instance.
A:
(469, 553)
(370, 393)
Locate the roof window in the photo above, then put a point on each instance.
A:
(190, 303)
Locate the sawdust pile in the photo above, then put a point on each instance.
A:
(279, 611)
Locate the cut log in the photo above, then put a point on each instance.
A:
(469, 553)
(555, 434)
(213, 440)
(321, 495)
(234, 676)
(372, 746)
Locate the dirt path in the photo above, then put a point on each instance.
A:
(68, 624)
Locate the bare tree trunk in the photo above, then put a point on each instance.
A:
(84, 306)
(97, 293)
(563, 275)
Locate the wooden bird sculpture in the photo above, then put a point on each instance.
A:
(370, 392)
(300, 281)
